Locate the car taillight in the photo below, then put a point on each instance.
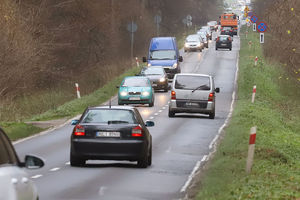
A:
(137, 132)
(173, 95)
(211, 96)
(230, 30)
(229, 38)
(79, 130)
(218, 39)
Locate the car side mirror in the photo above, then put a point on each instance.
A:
(180, 59)
(74, 122)
(149, 123)
(33, 162)
(144, 59)
(217, 90)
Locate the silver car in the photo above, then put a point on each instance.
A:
(193, 93)
(193, 42)
(14, 181)
(204, 38)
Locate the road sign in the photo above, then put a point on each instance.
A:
(247, 20)
(254, 27)
(132, 27)
(262, 38)
(189, 17)
(262, 27)
(254, 19)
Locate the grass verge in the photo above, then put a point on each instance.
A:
(276, 113)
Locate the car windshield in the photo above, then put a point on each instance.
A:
(153, 71)
(135, 82)
(109, 116)
(189, 82)
(192, 39)
(163, 55)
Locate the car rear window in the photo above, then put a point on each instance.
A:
(223, 38)
(190, 82)
(135, 82)
(109, 116)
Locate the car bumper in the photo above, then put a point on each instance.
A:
(128, 100)
(92, 149)
(193, 48)
(208, 108)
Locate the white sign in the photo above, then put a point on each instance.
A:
(262, 38)
(254, 27)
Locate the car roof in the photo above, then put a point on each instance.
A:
(166, 43)
(190, 74)
(111, 108)
(142, 77)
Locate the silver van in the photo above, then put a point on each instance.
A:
(193, 93)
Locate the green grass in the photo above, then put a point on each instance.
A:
(276, 113)
(17, 130)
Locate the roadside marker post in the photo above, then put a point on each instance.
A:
(253, 93)
(77, 90)
(251, 149)
(137, 62)
(255, 61)
(262, 38)
(254, 27)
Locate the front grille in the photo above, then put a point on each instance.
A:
(134, 93)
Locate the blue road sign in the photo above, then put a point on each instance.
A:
(262, 27)
(254, 19)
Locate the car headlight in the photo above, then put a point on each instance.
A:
(174, 65)
(198, 45)
(149, 64)
(145, 93)
(123, 93)
(186, 45)
(163, 79)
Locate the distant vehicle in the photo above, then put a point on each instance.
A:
(224, 41)
(203, 35)
(209, 32)
(15, 182)
(227, 30)
(163, 51)
(231, 20)
(111, 133)
(193, 43)
(136, 90)
(157, 76)
(213, 25)
(193, 93)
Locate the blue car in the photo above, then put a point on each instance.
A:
(136, 90)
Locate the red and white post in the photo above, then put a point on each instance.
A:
(251, 149)
(137, 62)
(253, 94)
(255, 61)
(77, 90)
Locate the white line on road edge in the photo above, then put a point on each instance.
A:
(191, 176)
(213, 145)
(37, 176)
(67, 163)
(54, 169)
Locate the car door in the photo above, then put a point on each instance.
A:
(15, 180)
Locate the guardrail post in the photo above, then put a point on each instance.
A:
(77, 90)
(251, 149)
(253, 93)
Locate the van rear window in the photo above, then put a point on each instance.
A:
(190, 82)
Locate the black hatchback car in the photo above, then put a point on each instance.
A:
(157, 76)
(111, 133)
(227, 30)
(224, 41)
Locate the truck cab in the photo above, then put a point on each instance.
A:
(163, 51)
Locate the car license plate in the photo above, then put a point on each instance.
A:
(191, 104)
(223, 44)
(108, 134)
(154, 84)
(134, 98)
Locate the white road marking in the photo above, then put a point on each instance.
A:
(169, 149)
(37, 176)
(151, 118)
(191, 176)
(67, 163)
(163, 108)
(204, 158)
(102, 190)
(155, 114)
(54, 169)
(160, 111)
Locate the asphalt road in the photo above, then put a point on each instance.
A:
(178, 145)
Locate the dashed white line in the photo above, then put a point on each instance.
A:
(151, 118)
(54, 169)
(160, 111)
(168, 150)
(163, 108)
(102, 190)
(36, 176)
(155, 114)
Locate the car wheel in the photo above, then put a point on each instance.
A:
(143, 162)
(119, 103)
(200, 50)
(166, 89)
(212, 115)
(171, 113)
(150, 157)
(216, 49)
(76, 161)
(230, 49)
